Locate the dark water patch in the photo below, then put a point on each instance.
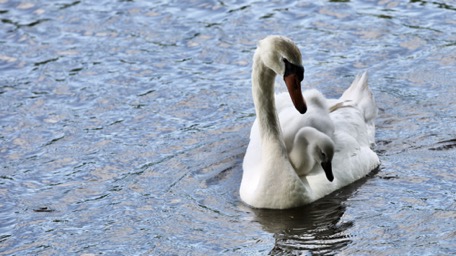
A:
(75, 71)
(146, 93)
(54, 140)
(65, 6)
(45, 61)
(18, 25)
(6, 177)
(43, 209)
(445, 145)
(239, 9)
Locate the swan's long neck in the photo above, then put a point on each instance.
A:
(263, 95)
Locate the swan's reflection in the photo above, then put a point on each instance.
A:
(316, 228)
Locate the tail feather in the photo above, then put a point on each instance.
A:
(359, 95)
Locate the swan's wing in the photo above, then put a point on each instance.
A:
(354, 113)
(360, 94)
(360, 97)
(354, 116)
(354, 157)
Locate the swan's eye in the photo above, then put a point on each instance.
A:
(323, 155)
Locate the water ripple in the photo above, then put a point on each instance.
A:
(123, 126)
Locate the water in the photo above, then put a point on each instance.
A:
(124, 124)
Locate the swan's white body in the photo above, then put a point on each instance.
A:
(275, 176)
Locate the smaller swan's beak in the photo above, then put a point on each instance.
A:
(328, 170)
(294, 88)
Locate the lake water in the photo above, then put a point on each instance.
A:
(123, 125)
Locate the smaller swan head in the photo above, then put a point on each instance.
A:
(312, 147)
(324, 153)
(283, 56)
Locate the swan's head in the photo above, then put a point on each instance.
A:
(323, 153)
(310, 148)
(283, 56)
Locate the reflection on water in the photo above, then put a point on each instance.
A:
(123, 125)
(316, 228)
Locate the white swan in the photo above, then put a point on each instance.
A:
(304, 156)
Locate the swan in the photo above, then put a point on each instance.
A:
(303, 146)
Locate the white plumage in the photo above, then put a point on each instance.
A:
(283, 165)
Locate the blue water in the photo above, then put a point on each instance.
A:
(123, 126)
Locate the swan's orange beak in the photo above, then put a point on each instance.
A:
(294, 88)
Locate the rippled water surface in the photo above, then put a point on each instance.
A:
(123, 126)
